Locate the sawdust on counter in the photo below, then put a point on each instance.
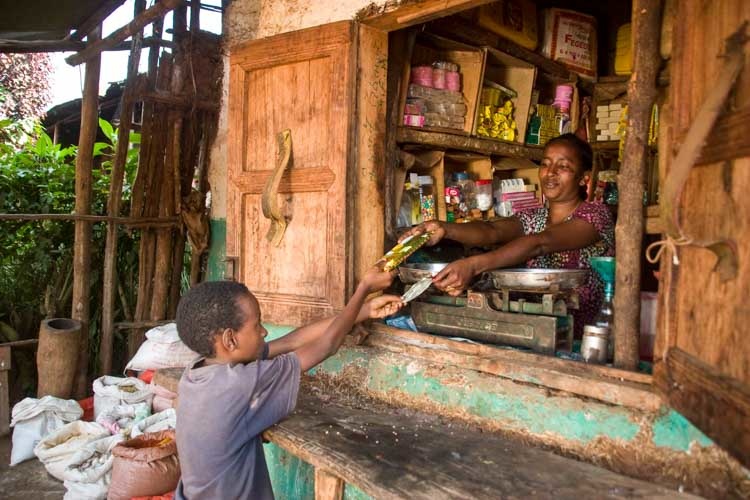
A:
(707, 471)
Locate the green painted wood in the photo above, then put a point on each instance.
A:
(291, 478)
(216, 249)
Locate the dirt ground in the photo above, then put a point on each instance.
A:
(25, 481)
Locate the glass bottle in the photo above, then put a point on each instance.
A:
(605, 318)
(468, 193)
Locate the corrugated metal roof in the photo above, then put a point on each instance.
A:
(43, 19)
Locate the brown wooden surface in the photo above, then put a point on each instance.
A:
(729, 138)
(389, 453)
(82, 241)
(604, 384)
(328, 486)
(400, 46)
(412, 13)
(691, 384)
(369, 201)
(465, 31)
(147, 17)
(303, 81)
(702, 320)
(646, 19)
(114, 202)
(411, 135)
(4, 390)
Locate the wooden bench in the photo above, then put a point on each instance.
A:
(389, 452)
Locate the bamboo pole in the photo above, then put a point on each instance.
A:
(82, 242)
(147, 17)
(114, 201)
(152, 184)
(646, 18)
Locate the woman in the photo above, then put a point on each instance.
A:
(563, 235)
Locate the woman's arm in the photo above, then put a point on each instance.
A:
(571, 235)
(471, 234)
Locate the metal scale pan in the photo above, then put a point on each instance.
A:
(537, 279)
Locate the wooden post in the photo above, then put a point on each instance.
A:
(646, 20)
(109, 285)
(4, 390)
(328, 486)
(147, 17)
(195, 16)
(82, 245)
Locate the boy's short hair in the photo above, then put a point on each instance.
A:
(207, 309)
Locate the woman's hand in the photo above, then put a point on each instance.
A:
(455, 277)
(381, 306)
(375, 279)
(436, 227)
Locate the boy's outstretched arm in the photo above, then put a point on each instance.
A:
(378, 307)
(313, 352)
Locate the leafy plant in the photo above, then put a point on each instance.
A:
(37, 176)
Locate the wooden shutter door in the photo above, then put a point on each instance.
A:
(703, 348)
(301, 81)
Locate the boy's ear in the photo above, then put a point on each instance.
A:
(228, 340)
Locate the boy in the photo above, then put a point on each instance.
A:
(242, 385)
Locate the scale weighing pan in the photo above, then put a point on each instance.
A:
(414, 272)
(538, 279)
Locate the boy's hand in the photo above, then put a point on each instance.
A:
(381, 306)
(375, 279)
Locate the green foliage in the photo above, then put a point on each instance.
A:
(37, 176)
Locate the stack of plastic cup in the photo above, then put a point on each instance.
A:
(422, 75)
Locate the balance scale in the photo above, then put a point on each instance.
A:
(528, 308)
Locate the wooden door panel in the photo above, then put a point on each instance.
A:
(702, 364)
(301, 81)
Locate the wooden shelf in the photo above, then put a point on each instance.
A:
(441, 140)
(605, 145)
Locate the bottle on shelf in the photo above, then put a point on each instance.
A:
(427, 198)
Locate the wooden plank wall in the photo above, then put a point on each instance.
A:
(702, 361)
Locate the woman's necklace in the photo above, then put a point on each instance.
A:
(564, 219)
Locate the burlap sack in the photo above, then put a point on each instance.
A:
(143, 466)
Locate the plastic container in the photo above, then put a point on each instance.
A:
(426, 198)
(468, 192)
(422, 75)
(484, 194)
(453, 81)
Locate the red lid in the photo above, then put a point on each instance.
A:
(482, 182)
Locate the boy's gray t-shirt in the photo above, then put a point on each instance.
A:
(221, 413)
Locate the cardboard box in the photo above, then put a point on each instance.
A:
(429, 48)
(515, 20)
(514, 74)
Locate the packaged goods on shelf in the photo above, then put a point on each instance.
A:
(497, 115)
(570, 38)
(515, 195)
(609, 119)
(543, 125)
(433, 107)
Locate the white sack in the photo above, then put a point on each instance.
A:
(162, 349)
(57, 449)
(33, 419)
(113, 391)
(121, 417)
(161, 421)
(88, 474)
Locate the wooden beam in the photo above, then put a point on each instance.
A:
(114, 201)
(99, 15)
(23, 46)
(147, 17)
(195, 17)
(82, 242)
(132, 325)
(716, 404)
(125, 221)
(646, 16)
(441, 140)
(575, 378)
(163, 97)
(328, 486)
(392, 19)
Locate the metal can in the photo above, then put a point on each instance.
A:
(594, 345)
